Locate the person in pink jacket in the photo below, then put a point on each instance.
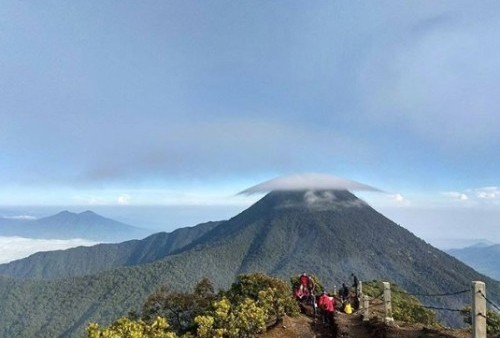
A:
(327, 305)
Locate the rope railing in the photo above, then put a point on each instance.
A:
(379, 296)
(435, 295)
(440, 308)
(439, 294)
(431, 307)
(489, 301)
(478, 310)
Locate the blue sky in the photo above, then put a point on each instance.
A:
(189, 102)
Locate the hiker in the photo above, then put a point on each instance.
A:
(327, 305)
(304, 280)
(355, 283)
(311, 286)
(344, 292)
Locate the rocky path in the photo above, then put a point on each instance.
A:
(299, 327)
(353, 326)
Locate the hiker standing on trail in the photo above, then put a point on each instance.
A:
(344, 292)
(327, 305)
(310, 284)
(304, 281)
(355, 283)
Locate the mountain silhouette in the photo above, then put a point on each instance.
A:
(67, 225)
(328, 233)
(482, 257)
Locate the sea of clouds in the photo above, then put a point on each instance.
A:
(13, 248)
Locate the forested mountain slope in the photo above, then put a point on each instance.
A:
(328, 233)
(82, 261)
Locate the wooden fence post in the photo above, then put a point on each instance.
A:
(387, 303)
(478, 311)
(359, 295)
(366, 305)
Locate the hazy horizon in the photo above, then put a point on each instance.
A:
(428, 224)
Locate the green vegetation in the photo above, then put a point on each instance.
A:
(405, 307)
(128, 328)
(252, 303)
(492, 320)
(272, 294)
(179, 308)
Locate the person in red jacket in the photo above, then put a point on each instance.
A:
(304, 281)
(327, 305)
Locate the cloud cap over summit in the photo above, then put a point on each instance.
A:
(308, 181)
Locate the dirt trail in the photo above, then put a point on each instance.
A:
(303, 326)
(299, 327)
(353, 326)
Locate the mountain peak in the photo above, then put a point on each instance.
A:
(65, 213)
(88, 213)
(312, 199)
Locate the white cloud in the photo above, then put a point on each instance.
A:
(455, 195)
(308, 181)
(487, 192)
(12, 248)
(21, 217)
(400, 199)
(123, 199)
(310, 197)
(483, 195)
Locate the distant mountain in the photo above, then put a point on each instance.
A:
(483, 258)
(82, 261)
(66, 225)
(328, 233)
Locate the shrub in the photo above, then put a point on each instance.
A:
(251, 303)
(492, 320)
(128, 328)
